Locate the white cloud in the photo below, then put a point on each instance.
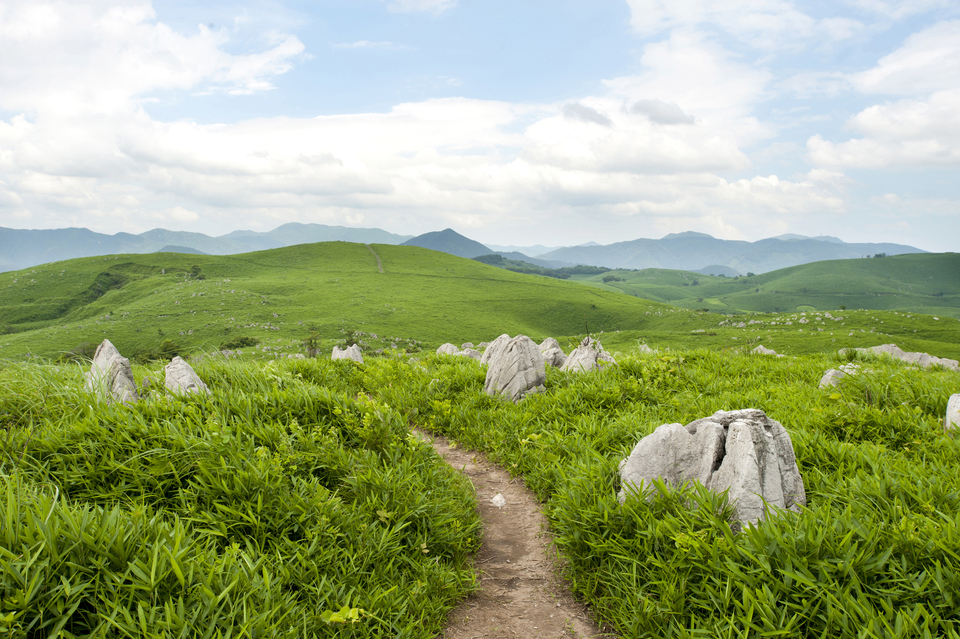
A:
(62, 58)
(928, 61)
(765, 24)
(919, 133)
(413, 6)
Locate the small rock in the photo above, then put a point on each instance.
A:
(587, 357)
(498, 501)
(447, 349)
(952, 418)
(515, 368)
(351, 352)
(111, 376)
(181, 378)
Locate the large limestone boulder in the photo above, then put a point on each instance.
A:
(181, 378)
(587, 357)
(493, 348)
(952, 418)
(833, 376)
(351, 352)
(472, 353)
(742, 451)
(554, 357)
(447, 349)
(548, 343)
(516, 369)
(920, 359)
(110, 375)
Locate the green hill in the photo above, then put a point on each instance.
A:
(281, 296)
(449, 241)
(920, 283)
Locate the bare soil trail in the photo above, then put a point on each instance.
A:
(521, 591)
(379, 265)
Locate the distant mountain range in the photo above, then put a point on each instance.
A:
(688, 251)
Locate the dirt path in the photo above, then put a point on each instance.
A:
(521, 593)
(379, 265)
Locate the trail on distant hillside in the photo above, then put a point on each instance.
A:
(379, 266)
(521, 591)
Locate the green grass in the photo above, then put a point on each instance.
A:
(278, 296)
(919, 283)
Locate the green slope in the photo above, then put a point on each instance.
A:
(921, 283)
(278, 296)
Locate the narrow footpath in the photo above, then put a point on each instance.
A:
(521, 591)
(379, 265)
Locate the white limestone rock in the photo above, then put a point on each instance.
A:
(920, 359)
(181, 378)
(351, 352)
(447, 349)
(554, 357)
(517, 368)
(646, 350)
(472, 353)
(763, 350)
(742, 451)
(493, 348)
(549, 343)
(952, 418)
(833, 376)
(587, 357)
(110, 375)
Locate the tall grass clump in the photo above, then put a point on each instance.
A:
(876, 552)
(287, 503)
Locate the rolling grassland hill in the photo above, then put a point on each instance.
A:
(919, 283)
(283, 296)
(23, 248)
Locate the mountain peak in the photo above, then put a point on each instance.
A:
(686, 234)
(449, 241)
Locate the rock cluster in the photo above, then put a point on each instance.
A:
(110, 375)
(742, 451)
(351, 352)
(920, 359)
(466, 350)
(515, 367)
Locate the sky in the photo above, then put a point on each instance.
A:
(517, 123)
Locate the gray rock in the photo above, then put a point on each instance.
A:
(515, 369)
(952, 418)
(466, 345)
(351, 352)
(833, 376)
(181, 378)
(587, 357)
(554, 357)
(763, 350)
(742, 451)
(646, 350)
(549, 343)
(920, 359)
(110, 375)
(471, 353)
(447, 349)
(493, 348)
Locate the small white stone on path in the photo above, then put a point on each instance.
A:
(498, 501)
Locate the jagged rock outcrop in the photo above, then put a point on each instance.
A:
(515, 369)
(742, 451)
(952, 419)
(181, 378)
(110, 375)
(920, 359)
(447, 349)
(493, 348)
(833, 376)
(351, 352)
(587, 357)
(554, 357)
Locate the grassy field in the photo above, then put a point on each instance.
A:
(918, 283)
(295, 502)
(281, 297)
